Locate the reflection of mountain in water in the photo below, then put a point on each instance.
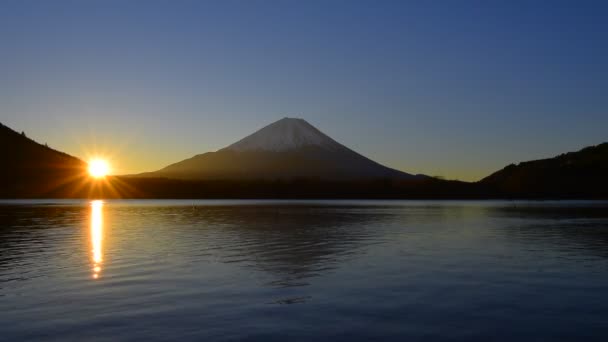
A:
(290, 243)
(293, 242)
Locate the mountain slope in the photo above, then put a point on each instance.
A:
(31, 169)
(286, 149)
(574, 174)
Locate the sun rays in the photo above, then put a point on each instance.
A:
(99, 168)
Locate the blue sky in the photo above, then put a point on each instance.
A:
(451, 88)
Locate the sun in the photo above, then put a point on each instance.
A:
(99, 168)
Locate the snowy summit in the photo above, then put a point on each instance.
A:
(285, 135)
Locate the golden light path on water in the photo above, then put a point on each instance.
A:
(97, 236)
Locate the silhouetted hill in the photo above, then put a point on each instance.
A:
(286, 149)
(417, 188)
(582, 174)
(30, 169)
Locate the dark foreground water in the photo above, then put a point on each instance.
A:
(309, 271)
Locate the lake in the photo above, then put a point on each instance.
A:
(303, 270)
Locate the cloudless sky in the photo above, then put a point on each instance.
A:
(452, 88)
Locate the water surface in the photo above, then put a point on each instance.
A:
(303, 270)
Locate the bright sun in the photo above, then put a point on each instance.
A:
(99, 168)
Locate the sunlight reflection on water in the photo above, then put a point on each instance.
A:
(303, 270)
(97, 236)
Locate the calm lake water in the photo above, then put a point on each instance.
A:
(303, 270)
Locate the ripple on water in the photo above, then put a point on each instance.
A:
(264, 270)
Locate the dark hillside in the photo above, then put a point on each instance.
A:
(30, 169)
(582, 174)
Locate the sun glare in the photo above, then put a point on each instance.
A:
(98, 168)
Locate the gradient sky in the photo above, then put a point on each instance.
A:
(451, 88)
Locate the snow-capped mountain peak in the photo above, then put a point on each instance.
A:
(286, 149)
(284, 135)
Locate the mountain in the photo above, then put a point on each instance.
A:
(30, 169)
(289, 159)
(581, 174)
(286, 149)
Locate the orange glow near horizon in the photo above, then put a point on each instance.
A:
(97, 236)
(99, 168)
